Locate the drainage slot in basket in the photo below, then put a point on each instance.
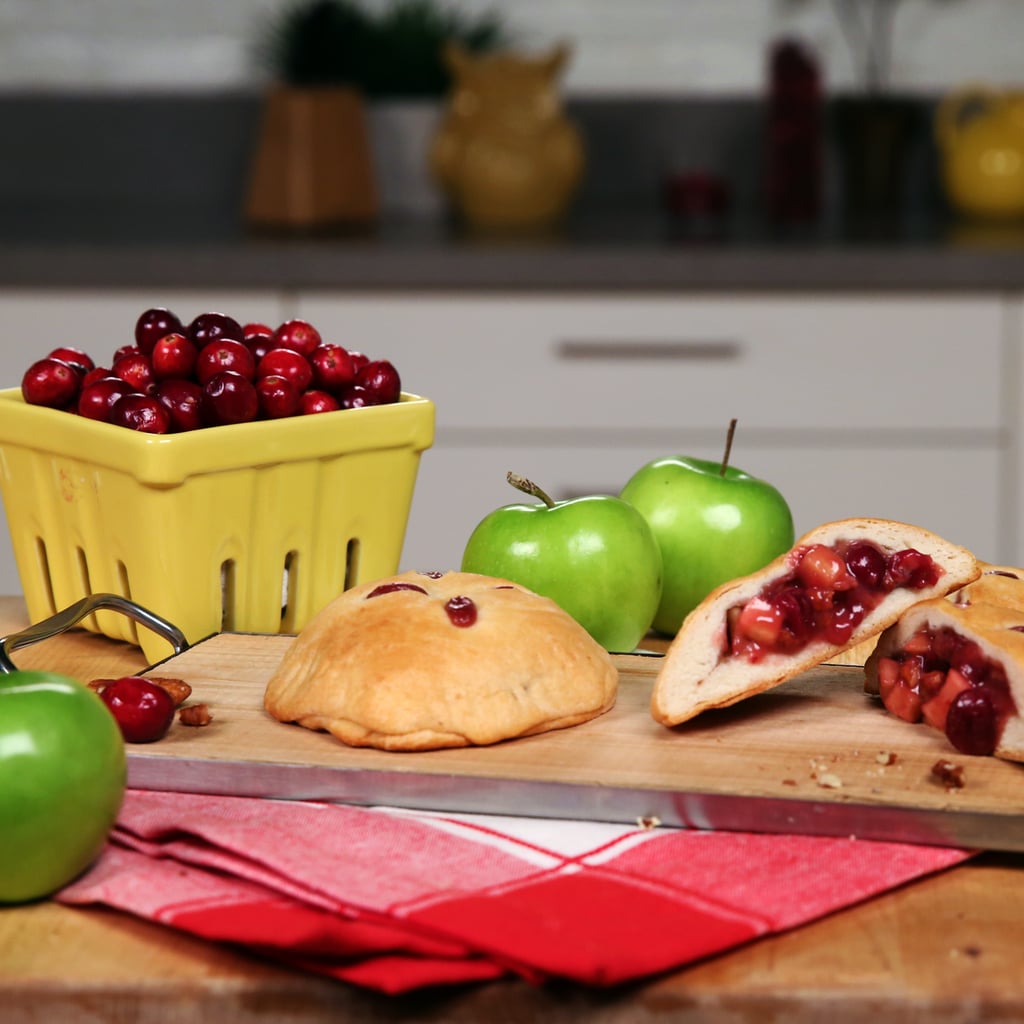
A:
(351, 563)
(227, 596)
(122, 576)
(85, 583)
(288, 587)
(126, 591)
(44, 571)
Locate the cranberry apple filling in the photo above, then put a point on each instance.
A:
(947, 681)
(825, 596)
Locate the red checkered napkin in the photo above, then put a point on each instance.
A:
(396, 900)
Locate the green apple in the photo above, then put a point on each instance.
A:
(713, 523)
(594, 556)
(62, 780)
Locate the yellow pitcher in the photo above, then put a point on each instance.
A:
(980, 132)
(505, 153)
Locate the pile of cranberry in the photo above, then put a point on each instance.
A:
(211, 372)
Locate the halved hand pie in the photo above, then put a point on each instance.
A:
(958, 665)
(840, 584)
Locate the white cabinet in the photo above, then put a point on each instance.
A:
(904, 406)
(900, 407)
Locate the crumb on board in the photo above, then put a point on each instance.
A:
(886, 757)
(823, 776)
(948, 774)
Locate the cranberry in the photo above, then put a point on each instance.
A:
(391, 588)
(846, 615)
(209, 327)
(381, 380)
(73, 357)
(258, 339)
(911, 569)
(797, 616)
(51, 382)
(333, 369)
(137, 370)
(356, 397)
(298, 335)
(972, 724)
(359, 359)
(154, 324)
(173, 356)
(224, 354)
(143, 710)
(314, 401)
(970, 661)
(286, 362)
(99, 373)
(124, 350)
(183, 401)
(461, 611)
(228, 397)
(866, 563)
(97, 399)
(278, 397)
(144, 413)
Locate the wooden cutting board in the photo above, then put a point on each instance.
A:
(814, 756)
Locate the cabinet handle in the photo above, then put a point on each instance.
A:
(710, 349)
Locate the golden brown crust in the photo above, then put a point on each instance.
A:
(998, 584)
(392, 671)
(695, 676)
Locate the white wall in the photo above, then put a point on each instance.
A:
(621, 46)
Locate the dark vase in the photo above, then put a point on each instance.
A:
(875, 138)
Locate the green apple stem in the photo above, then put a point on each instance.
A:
(520, 483)
(728, 446)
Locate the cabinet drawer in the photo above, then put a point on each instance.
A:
(457, 487)
(642, 362)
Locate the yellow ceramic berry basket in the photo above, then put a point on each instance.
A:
(252, 527)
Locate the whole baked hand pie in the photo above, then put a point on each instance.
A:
(421, 661)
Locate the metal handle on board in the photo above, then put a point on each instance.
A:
(73, 614)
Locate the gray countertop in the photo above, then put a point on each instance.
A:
(109, 192)
(118, 247)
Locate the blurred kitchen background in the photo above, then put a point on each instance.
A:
(739, 240)
(116, 101)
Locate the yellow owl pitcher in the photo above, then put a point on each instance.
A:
(505, 153)
(980, 131)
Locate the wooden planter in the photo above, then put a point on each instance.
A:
(313, 167)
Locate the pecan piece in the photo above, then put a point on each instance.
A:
(178, 690)
(195, 714)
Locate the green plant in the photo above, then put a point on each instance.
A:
(317, 43)
(394, 53)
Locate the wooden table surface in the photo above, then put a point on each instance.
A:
(947, 948)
